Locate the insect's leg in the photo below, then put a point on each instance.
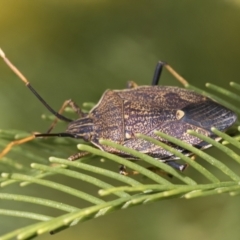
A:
(131, 84)
(14, 143)
(123, 171)
(182, 80)
(78, 155)
(71, 104)
(157, 73)
(178, 166)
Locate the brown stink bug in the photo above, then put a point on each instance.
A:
(120, 114)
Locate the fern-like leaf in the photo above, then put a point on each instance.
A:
(128, 192)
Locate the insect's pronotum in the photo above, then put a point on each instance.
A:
(120, 114)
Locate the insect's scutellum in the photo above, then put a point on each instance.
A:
(121, 114)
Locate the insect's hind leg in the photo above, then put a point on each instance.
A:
(66, 103)
(182, 80)
(176, 165)
(157, 73)
(156, 76)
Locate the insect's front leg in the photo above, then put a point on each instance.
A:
(66, 103)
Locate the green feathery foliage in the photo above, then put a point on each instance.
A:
(131, 192)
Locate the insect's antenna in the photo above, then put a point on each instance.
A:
(23, 78)
(30, 138)
(63, 134)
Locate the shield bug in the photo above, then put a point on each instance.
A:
(120, 114)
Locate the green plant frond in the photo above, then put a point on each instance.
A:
(123, 191)
(30, 215)
(235, 85)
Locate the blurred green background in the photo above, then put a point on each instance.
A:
(77, 49)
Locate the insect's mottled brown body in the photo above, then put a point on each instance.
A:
(120, 114)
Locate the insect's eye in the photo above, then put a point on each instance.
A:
(179, 114)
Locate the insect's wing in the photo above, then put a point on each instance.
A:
(173, 111)
(206, 114)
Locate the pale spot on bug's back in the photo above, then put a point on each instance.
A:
(127, 135)
(179, 114)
